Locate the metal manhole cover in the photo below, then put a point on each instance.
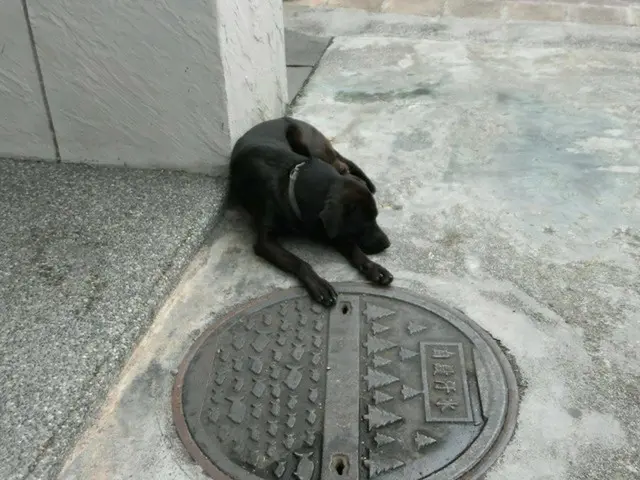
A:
(385, 385)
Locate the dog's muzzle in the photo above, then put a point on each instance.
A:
(373, 241)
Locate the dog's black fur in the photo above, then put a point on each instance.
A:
(307, 140)
(337, 208)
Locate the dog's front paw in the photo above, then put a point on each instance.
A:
(377, 274)
(321, 291)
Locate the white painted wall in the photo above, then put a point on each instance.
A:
(253, 58)
(24, 130)
(160, 84)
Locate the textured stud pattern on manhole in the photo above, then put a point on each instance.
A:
(383, 386)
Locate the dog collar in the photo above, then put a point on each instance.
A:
(292, 191)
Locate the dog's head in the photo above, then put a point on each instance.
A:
(350, 213)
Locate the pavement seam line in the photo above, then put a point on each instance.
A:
(300, 92)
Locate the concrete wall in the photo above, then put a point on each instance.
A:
(24, 129)
(162, 84)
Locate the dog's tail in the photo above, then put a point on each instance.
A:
(294, 138)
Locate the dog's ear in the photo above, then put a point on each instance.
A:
(295, 141)
(333, 211)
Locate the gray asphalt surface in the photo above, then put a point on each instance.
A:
(86, 256)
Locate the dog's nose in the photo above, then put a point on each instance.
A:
(375, 244)
(383, 243)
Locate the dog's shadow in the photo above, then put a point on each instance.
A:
(237, 222)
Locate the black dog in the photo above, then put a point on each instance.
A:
(282, 174)
(307, 140)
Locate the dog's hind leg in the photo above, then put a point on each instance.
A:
(326, 152)
(268, 248)
(356, 171)
(294, 137)
(371, 270)
(321, 147)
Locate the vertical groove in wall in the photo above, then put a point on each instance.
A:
(43, 90)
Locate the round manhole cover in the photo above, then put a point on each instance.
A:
(385, 385)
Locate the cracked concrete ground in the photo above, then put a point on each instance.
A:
(509, 182)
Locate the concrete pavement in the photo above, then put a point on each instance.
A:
(505, 156)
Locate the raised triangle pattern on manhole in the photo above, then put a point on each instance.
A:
(408, 392)
(414, 328)
(374, 312)
(381, 397)
(377, 328)
(376, 344)
(376, 379)
(378, 465)
(422, 391)
(422, 440)
(382, 439)
(406, 354)
(377, 418)
(380, 361)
